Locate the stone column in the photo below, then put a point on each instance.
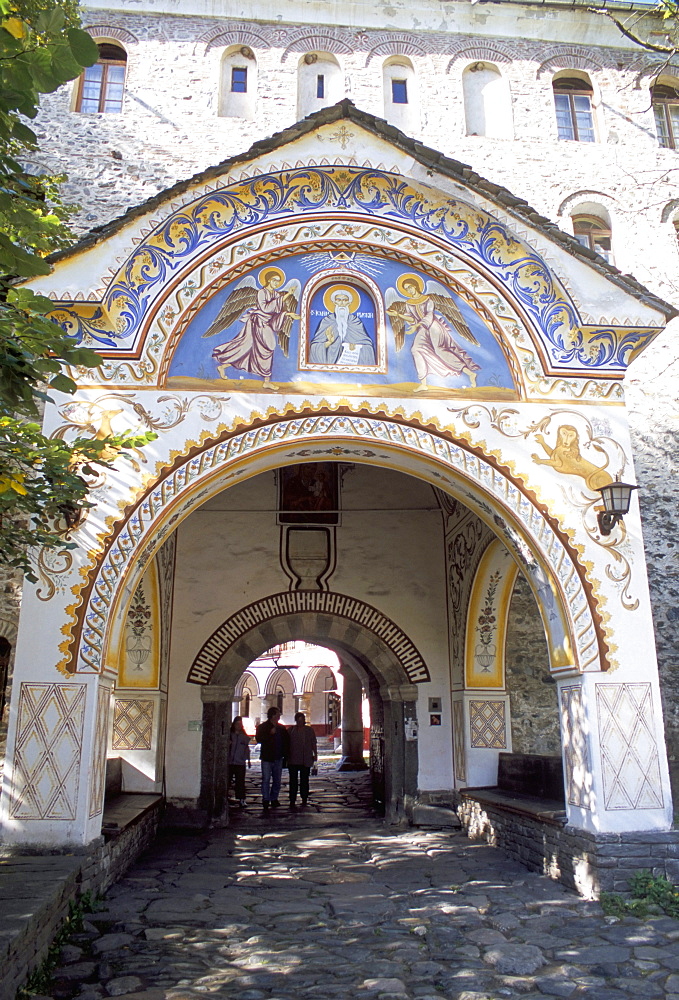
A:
(268, 701)
(352, 723)
(304, 701)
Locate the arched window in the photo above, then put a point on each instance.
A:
(665, 101)
(280, 699)
(101, 87)
(238, 83)
(319, 83)
(573, 103)
(401, 99)
(595, 233)
(246, 698)
(487, 102)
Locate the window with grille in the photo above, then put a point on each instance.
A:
(573, 103)
(102, 86)
(666, 110)
(593, 232)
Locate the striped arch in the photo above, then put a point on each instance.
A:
(395, 44)
(311, 678)
(487, 615)
(248, 633)
(568, 59)
(237, 36)
(276, 678)
(247, 679)
(575, 632)
(317, 41)
(487, 52)
(110, 31)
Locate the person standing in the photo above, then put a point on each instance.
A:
(275, 743)
(239, 756)
(301, 758)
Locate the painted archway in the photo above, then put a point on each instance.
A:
(572, 623)
(496, 451)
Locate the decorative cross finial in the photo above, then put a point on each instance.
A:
(342, 135)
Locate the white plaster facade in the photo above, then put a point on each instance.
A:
(433, 477)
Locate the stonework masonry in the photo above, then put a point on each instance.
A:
(588, 863)
(38, 890)
(532, 690)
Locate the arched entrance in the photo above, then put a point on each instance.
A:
(366, 641)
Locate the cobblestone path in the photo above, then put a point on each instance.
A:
(329, 903)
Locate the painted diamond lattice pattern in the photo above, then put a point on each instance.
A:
(458, 741)
(98, 783)
(48, 749)
(629, 752)
(132, 724)
(487, 721)
(576, 750)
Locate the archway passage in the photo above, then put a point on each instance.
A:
(366, 663)
(298, 677)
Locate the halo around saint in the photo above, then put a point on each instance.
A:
(268, 271)
(348, 290)
(416, 280)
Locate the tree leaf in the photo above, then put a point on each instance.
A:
(62, 383)
(83, 47)
(51, 21)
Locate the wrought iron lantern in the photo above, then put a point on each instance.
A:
(616, 497)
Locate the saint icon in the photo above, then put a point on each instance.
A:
(267, 314)
(341, 337)
(432, 317)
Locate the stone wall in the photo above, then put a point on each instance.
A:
(653, 405)
(37, 892)
(531, 687)
(590, 864)
(170, 128)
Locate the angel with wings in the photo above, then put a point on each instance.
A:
(431, 315)
(267, 314)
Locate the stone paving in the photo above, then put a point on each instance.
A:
(327, 902)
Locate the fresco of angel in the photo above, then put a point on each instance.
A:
(431, 315)
(267, 314)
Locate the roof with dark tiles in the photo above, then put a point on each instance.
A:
(462, 173)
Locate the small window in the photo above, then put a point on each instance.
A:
(239, 79)
(592, 232)
(666, 110)
(320, 86)
(102, 86)
(573, 102)
(399, 91)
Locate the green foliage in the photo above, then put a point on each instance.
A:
(651, 894)
(43, 482)
(39, 981)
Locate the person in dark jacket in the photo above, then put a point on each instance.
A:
(275, 743)
(239, 756)
(301, 758)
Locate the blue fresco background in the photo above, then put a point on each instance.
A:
(193, 356)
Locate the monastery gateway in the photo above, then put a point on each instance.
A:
(386, 395)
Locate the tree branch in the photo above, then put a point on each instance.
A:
(670, 50)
